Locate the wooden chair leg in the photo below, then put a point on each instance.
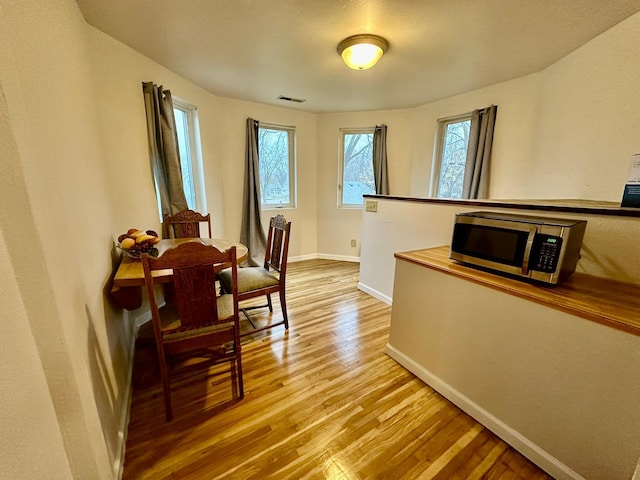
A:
(283, 304)
(166, 387)
(269, 302)
(240, 381)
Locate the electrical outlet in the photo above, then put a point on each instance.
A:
(353, 243)
(371, 206)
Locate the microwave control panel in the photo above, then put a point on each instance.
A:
(545, 253)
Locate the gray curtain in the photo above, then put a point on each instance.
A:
(251, 231)
(163, 149)
(478, 166)
(380, 160)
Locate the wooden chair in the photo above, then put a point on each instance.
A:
(271, 278)
(200, 323)
(185, 224)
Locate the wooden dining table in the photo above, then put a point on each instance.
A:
(128, 281)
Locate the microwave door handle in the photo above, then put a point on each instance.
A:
(527, 250)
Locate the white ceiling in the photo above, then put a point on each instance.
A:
(257, 50)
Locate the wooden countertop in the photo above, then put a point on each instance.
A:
(591, 207)
(610, 302)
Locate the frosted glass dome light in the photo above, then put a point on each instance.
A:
(363, 51)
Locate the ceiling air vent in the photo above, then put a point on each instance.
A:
(289, 99)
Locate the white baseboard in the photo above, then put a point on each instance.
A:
(514, 438)
(323, 256)
(341, 258)
(300, 258)
(375, 294)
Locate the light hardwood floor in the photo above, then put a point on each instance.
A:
(322, 401)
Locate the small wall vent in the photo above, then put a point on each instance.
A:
(290, 99)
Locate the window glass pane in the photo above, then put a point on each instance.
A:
(357, 167)
(275, 169)
(453, 161)
(182, 131)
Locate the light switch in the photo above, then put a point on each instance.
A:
(371, 206)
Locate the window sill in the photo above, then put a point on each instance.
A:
(273, 208)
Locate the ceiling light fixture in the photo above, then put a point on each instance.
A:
(362, 51)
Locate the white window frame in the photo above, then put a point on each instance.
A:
(343, 132)
(195, 152)
(291, 137)
(439, 149)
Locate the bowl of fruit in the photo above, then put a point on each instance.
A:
(136, 242)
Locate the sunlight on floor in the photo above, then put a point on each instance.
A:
(280, 349)
(334, 469)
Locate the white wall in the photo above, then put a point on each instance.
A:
(608, 250)
(526, 137)
(75, 174)
(588, 120)
(410, 145)
(566, 132)
(338, 226)
(118, 75)
(26, 405)
(512, 145)
(56, 219)
(560, 389)
(232, 130)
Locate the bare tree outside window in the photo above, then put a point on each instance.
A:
(454, 140)
(357, 166)
(275, 151)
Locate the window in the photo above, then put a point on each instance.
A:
(276, 151)
(190, 155)
(356, 166)
(451, 156)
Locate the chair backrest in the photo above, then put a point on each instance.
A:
(277, 245)
(194, 267)
(185, 224)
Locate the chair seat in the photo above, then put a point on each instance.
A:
(170, 321)
(250, 278)
(179, 335)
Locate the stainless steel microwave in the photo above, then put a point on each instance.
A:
(537, 248)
